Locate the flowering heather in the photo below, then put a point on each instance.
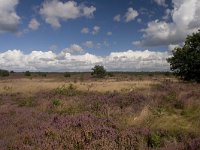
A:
(143, 119)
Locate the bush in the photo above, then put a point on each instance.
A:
(67, 75)
(98, 71)
(28, 102)
(185, 62)
(4, 73)
(110, 74)
(81, 78)
(27, 73)
(154, 140)
(69, 90)
(56, 102)
(42, 74)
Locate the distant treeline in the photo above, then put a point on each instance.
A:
(4, 73)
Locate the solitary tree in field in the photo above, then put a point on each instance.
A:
(185, 62)
(98, 71)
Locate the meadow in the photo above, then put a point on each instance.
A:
(126, 111)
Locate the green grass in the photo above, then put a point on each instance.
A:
(27, 102)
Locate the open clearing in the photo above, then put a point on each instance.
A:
(121, 112)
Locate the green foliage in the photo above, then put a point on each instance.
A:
(167, 74)
(67, 75)
(98, 71)
(56, 102)
(81, 78)
(4, 73)
(154, 140)
(27, 73)
(73, 109)
(185, 62)
(69, 90)
(28, 102)
(192, 113)
(42, 74)
(110, 74)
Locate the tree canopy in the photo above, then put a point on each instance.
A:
(185, 62)
(4, 73)
(98, 71)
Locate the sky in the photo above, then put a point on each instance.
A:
(75, 35)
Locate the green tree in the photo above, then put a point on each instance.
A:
(27, 73)
(67, 75)
(98, 71)
(185, 62)
(4, 73)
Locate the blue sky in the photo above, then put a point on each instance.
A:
(94, 29)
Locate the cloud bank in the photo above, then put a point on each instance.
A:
(116, 61)
(55, 11)
(130, 15)
(9, 19)
(185, 20)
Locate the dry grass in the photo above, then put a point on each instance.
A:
(164, 107)
(32, 86)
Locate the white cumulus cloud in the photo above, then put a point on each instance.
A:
(88, 44)
(55, 11)
(185, 20)
(172, 47)
(74, 48)
(161, 2)
(117, 18)
(96, 30)
(9, 19)
(116, 61)
(130, 15)
(34, 24)
(109, 33)
(85, 30)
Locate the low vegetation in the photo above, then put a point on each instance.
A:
(161, 114)
(27, 73)
(67, 75)
(4, 73)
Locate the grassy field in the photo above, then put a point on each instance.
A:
(126, 111)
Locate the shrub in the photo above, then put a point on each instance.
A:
(69, 90)
(81, 78)
(27, 73)
(67, 75)
(28, 102)
(42, 74)
(4, 73)
(110, 74)
(167, 74)
(56, 102)
(98, 71)
(154, 140)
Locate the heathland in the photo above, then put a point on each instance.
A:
(124, 111)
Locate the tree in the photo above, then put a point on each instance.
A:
(98, 71)
(185, 62)
(4, 73)
(67, 75)
(27, 73)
